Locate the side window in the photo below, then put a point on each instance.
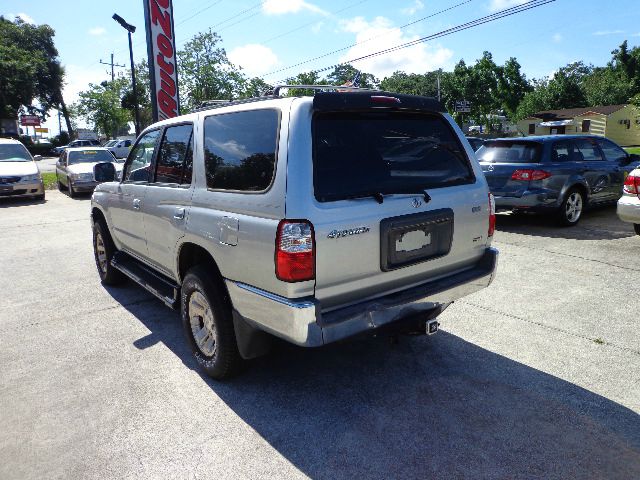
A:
(240, 150)
(562, 151)
(174, 164)
(587, 150)
(139, 161)
(612, 152)
(127, 143)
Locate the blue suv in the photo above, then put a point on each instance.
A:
(558, 174)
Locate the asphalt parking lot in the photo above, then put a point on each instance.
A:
(536, 377)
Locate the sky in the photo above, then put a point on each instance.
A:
(267, 37)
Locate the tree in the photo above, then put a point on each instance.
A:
(606, 86)
(205, 72)
(412, 83)
(343, 74)
(255, 87)
(143, 85)
(305, 78)
(512, 86)
(101, 105)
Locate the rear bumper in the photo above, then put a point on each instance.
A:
(629, 208)
(528, 200)
(302, 322)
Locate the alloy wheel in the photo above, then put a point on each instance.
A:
(203, 327)
(574, 207)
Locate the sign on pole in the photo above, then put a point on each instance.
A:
(161, 51)
(463, 106)
(41, 130)
(29, 120)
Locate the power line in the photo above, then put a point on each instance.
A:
(474, 23)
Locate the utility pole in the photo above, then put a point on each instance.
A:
(113, 76)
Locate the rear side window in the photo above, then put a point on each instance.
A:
(357, 154)
(507, 151)
(174, 164)
(587, 150)
(240, 150)
(612, 152)
(562, 151)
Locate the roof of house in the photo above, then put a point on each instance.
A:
(568, 113)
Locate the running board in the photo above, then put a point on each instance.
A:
(152, 281)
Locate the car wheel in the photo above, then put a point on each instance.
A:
(103, 251)
(72, 192)
(636, 227)
(571, 209)
(59, 183)
(206, 318)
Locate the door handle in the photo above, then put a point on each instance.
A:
(179, 214)
(136, 203)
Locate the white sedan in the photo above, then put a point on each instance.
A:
(19, 174)
(74, 169)
(629, 203)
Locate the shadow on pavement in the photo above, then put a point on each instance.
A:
(435, 407)
(9, 202)
(598, 223)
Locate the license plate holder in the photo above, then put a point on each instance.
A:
(415, 238)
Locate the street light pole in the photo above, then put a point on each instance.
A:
(131, 29)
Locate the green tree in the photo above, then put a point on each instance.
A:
(205, 72)
(606, 86)
(143, 86)
(425, 84)
(342, 74)
(306, 78)
(512, 86)
(101, 105)
(255, 87)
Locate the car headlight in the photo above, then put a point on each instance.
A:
(82, 176)
(30, 178)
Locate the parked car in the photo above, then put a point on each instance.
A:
(74, 169)
(475, 142)
(120, 148)
(76, 144)
(555, 174)
(629, 203)
(19, 174)
(254, 224)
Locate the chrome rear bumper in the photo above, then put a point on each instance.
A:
(302, 322)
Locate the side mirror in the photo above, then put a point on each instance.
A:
(104, 172)
(37, 157)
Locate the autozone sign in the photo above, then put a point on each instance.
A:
(161, 50)
(29, 120)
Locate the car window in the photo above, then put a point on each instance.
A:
(240, 150)
(510, 151)
(562, 151)
(174, 164)
(139, 160)
(587, 150)
(14, 152)
(127, 143)
(612, 152)
(89, 156)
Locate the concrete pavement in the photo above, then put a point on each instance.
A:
(536, 377)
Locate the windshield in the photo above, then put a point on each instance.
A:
(110, 143)
(90, 156)
(14, 153)
(509, 151)
(365, 153)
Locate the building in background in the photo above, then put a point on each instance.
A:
(620, 123)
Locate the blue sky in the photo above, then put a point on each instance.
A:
(542, 39)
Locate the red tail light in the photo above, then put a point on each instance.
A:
(492, 215)
(632, 185)
(295, 251)
(528, 174)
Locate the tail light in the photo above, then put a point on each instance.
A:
(295, 251)
(492, 215)
(632, 185)
(528, 174)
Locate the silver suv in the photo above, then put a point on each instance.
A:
(312, 219)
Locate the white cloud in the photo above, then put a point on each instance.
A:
(557, 38)
(417, 6)
(255, 59)
(380, 34)
(280, 7)
(496, 5)
(23, 16)
(317, 27)
(97, 31)
(600, 33)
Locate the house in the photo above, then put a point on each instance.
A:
(620, 123)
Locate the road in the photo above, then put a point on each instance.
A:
(537, 377)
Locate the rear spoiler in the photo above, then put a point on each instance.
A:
(364, 100)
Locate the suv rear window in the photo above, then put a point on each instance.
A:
(357, 154)
(507, 151)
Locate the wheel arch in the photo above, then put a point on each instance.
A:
(191, 254)
(580, 185)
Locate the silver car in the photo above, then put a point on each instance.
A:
(629, 203)
(311, 219)
(19, 174)
(74, 168)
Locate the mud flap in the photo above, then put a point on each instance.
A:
(252, 342)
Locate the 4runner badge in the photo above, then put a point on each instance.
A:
(348, 232)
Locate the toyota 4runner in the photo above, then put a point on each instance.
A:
(309, 218)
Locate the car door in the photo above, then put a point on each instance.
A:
(618, 161)
(126, 206)
(166, 206)
(591, 165)
(61, 168)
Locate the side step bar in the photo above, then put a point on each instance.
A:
(152, 281)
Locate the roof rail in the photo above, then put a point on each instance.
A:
(277, 88)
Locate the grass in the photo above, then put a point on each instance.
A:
(49, 181)
(635, 150)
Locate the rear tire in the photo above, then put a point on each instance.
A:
(103, 251)
(572, 208)
(72, 192)
(60, 186)
(636, 227)
(208, 324)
